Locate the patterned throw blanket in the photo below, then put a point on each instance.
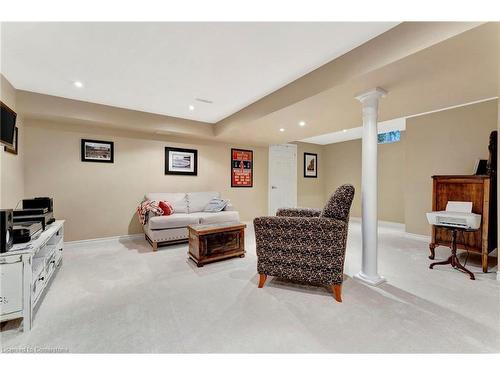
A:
(147, 208)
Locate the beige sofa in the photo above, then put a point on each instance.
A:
(188, 209)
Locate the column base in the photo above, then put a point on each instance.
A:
(373, 281)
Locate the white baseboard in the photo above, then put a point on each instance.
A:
(103, 239)
(383, 224)
(498, 275)
(400, 227)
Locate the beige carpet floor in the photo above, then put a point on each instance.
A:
(119, 296)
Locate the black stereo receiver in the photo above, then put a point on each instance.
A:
(39, 202)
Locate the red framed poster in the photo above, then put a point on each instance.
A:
(241, 168)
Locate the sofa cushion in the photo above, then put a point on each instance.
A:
(172, 221)
(218, 217)
(177, 200)
(198, 201)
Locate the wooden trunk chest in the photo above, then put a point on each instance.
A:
(213, 242)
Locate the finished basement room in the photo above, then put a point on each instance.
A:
(230, 195)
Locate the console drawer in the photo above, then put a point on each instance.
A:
(38, 286)
(11, 287)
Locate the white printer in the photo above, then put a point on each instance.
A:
(457, 215)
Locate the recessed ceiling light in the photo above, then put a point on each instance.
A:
(282, 130)
(344, 130)
(302, 123)
(191, 107)
(78, 84)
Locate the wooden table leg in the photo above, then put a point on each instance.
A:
(453, 259)
(431, 248)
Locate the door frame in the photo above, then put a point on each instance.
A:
(294, 177)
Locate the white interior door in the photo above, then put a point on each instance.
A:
(282, 177)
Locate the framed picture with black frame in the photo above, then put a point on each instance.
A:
(181, 161)
(241, 168)
(310, 165)
(97, 151)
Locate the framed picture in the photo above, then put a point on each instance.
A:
(241, 168)
(15, 145)
(181, 161)
(97, 151)
(310, 165)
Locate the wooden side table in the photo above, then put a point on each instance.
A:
(213, 242)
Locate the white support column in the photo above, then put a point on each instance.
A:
(369, 181)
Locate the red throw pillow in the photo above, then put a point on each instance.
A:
(166, 208)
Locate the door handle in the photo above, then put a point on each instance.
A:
(274, 187)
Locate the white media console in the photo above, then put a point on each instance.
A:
(26, 272)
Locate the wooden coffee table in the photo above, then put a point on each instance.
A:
(212, 242)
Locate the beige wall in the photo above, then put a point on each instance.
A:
(11, 166)
(447, 142)
(343, 166)
(99, 200)
(343, 163)
(310, 191)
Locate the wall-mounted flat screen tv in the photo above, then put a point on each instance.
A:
(7, 125)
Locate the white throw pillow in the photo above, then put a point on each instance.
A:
(199, 200)
(216, 205)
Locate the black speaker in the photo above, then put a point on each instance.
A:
(6, 230)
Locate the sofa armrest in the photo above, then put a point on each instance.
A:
(229, 207)
(315, 235)
(298, 212)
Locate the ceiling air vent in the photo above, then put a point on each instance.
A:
(204, 100)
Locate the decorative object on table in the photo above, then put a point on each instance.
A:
(14, 149)
(310, 165)
(457, 217)
(241, 168)
(181, 161)
(216, 205)
(97, 151)
(213, 242)
(305, 244)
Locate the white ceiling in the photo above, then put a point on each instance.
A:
(163, 67)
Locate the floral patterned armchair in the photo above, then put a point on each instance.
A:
(305, 244)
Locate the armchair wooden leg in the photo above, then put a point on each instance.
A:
(337, 292)
(262, 280)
